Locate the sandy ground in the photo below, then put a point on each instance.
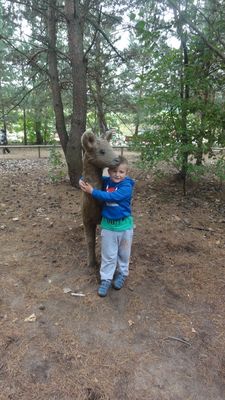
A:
(160, 338)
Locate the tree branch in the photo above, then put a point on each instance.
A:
(98, 28)
(29, 59)
(21, 100)
(197, 30)
(94, 37)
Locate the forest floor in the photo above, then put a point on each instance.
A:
(159, 338)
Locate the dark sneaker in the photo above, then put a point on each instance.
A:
(104, 287)
(119, 281)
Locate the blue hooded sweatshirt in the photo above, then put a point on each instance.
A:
(116, 197)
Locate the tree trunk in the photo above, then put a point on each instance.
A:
(39, 137)
(199, 152)
(24, 126)
(184, 96)
(97, 96)
(54, 77)
(97, 93)
(2, 108)
(184, 107)
(71, 143)
(75, 22)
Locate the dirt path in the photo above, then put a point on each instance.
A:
(160, 338)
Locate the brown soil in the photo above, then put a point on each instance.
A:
(160, 338)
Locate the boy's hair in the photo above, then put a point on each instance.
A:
(123, 160)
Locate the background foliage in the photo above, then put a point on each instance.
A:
(154, 70)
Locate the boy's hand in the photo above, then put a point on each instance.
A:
(85, 187)
(80, 182)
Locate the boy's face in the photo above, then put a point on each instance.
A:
(118, 173)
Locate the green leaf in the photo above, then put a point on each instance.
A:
(140, 26)
(132, 16)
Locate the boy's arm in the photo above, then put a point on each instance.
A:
(85, 187)
(122, 193)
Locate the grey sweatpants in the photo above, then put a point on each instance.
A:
(115, 252)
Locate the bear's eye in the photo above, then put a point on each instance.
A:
(102, 151)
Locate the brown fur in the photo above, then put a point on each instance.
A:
(98, 154)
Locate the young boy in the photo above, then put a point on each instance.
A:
(116, 225)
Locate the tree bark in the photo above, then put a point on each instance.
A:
(54, 77)
(97, 89)
(39, 137)
(71, 143)
(24, 126)
(184, 97)
(75, 25)
(184, 104)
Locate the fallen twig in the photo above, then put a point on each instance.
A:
(77, 294)
(199, 228)
(178, 339)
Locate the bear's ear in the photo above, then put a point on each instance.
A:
(108, 134)
(88, 140)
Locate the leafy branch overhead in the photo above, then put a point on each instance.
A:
(153, 70)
